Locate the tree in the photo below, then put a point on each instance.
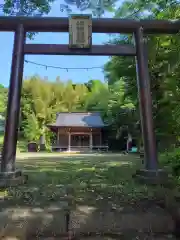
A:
(41, 100)
(27, 7)
(97, 99)
(164, 60)
(97, 7)
(37, 110)
(3, 99)
(40, 7)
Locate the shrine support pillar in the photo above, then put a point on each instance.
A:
(150, 173)
(57, 143)
(8, 171)
(91, 141)
(69, 141)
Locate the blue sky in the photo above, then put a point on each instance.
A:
(78, 76)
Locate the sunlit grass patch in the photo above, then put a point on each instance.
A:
(91, 179)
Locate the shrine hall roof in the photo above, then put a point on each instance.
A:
(78, 119)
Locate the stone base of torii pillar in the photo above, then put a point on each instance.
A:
(11, 179)
(154, 177)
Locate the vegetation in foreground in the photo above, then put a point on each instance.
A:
(92, 179)
(103, 182)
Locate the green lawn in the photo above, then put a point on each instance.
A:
(90, 179)
(99, 184)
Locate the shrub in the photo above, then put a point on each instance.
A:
(171, 159)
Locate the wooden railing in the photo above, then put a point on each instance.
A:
(93, 148)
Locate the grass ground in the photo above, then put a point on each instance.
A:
(92, 178)
(102, 182)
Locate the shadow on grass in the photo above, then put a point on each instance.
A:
(99, 186)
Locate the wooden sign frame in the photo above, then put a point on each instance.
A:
(87, 19)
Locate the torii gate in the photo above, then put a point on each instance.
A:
(22, 25)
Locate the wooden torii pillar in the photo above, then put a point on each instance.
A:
(8, 171)
(151, 173)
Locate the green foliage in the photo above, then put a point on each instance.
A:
(3, 99)
(32, 130)
(27, 8)
(164, 66)
(171, 159)
(42, 99)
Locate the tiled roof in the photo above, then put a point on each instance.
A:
(78, 119)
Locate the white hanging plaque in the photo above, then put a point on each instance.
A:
(80, 31)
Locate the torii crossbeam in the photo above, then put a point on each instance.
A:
(22, 25)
